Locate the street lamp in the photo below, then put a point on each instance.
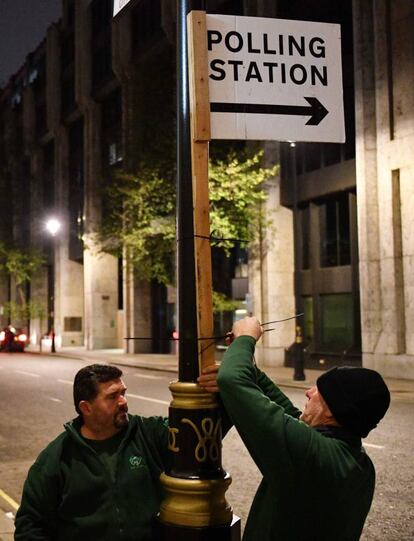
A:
(53, 226)
(298, 361)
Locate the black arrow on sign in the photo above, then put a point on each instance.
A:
(316, 111)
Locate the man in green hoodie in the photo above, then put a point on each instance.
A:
(318, 482)
(98, 480)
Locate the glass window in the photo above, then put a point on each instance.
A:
(48, 176)
(337, 321)
(101, 41)
(146, 24)
(331, 153)
(335, 232)
(312, 156)
(76, 190)
(112, 128)
(308, 318)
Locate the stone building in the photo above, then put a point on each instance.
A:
(341, 245)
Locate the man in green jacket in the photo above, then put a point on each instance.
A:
(318, 482)
(99, 479)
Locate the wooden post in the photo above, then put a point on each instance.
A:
(200, 137)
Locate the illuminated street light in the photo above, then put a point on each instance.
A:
(53, 226)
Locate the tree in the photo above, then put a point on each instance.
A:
(142, 216)
(27, 310)
(20, 265)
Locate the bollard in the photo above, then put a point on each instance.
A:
(298, 360)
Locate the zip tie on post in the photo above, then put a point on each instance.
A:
(284, 319)
(214, 338)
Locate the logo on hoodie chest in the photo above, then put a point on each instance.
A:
(135, 462)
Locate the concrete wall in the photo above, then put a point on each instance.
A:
(271, 271)
(384, 72)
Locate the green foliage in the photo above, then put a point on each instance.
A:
(141, 219)
(236, 194)
(19, 264)
(141, 222)
(24, 311)
(221, 303)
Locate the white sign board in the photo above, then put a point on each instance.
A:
(118, 5)
(275, 79)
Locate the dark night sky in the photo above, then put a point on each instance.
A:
(23, 25)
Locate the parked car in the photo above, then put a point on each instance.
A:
(12, 339)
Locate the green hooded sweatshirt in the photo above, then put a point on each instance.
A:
(318, 483)
(70, 495)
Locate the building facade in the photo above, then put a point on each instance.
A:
(340, 245)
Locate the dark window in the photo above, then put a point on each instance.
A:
(22, 205)
(349, 152)
(49, 176)
(101, 15)
(335, 232)
(312, 153)
(37, 78)
(76, 191)
(68, 15)
(26, 221)
(337, 321)
(331, 153)
(72, 324)
(67, 56)
(19, 140)
(101, 42)
(228, 7)
(112, 129)
(146, 24)
(299, 158)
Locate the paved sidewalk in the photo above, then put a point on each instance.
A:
(400, 389)
(6, 527)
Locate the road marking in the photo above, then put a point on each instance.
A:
(373, 445)
(147, 398)
(8, 499)
(147, 376)
(53, 399)
(27, 373)
(65, 381)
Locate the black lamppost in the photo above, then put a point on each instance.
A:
(194, 507)
(298, 358)
(53, 226)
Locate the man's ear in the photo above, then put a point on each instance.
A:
(85, 407)
(330, 419)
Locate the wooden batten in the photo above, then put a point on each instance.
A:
(200, 137)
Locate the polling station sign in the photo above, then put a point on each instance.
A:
(274, 79)
(119, 6)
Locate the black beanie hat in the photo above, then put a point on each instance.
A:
(357, 397)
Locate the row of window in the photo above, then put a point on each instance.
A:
(334, 232)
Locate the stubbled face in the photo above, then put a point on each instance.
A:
(316, 412)
(109, 410)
